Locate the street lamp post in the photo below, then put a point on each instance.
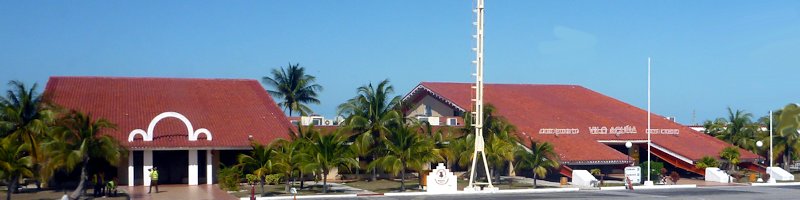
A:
(628, 145)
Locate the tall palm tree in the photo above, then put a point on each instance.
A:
(405, 148)
(14, 164)
(25, 118)
(539, 157)
(372, 111)
(329, 151)
(76, 142)
(787, 139)
(294, 87)
(259, 162)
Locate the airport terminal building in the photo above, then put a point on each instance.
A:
(185, 127)
(587, 129)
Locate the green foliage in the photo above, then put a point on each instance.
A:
(787, 137)
(259, 162)
(273, 179)
(76, 141)
(655, 170)
(229, 178)
(329, 151)
(540, 158)
(405, 148)
(294, 88)
(731, 156)
(596, 172)
(706, 162)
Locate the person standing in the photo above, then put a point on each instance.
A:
(153, 179)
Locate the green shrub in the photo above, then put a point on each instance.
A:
(706, 162)
(273, 179)
(229, 178)
(655, 171)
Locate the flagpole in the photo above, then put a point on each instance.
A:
(649, 141)
(770, 138)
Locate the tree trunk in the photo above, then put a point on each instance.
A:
(79, 191)
(288, 182)
(534, 179)
(301, 180)
(403, 179)
(12, 187)
(262, 185)
(324, 182)
(374, 171)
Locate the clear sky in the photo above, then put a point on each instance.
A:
(707, 55)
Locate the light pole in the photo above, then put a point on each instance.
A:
(628, 145)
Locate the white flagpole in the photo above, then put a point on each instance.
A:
(770, 138)
(648, 123)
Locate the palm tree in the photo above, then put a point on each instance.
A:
(738, 130)
(539, 157)
(289, 157)
(405, 148)
(362, 147)
(731, 156)
(259, 162)
(14, 164)
(372, 111)
(501, 142)
(329, 151)
(787, 139)
(294, 87)
(76, 142)
(25, 118)
(706, 162)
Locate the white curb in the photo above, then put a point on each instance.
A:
(775, 184)
(654, 187)
(349, 196)
(543, 190)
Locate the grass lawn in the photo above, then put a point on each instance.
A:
(53, 194)
(384, 186)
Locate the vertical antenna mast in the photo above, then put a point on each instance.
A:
(478, 109)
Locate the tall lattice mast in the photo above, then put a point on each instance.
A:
(478, 109)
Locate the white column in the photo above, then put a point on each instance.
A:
(209, 168)
(193, 167)
(130, 168)
(147, 165)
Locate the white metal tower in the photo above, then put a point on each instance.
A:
(478, 109)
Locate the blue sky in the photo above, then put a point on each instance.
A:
(707, 55)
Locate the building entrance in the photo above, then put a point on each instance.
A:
(172, 166)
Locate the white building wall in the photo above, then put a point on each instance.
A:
(148, 164)
(193, 171)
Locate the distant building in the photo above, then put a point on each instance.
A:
(587, 129)
(185, 127)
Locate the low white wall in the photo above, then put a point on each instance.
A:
(582, 178)
(778, 174)
(714, 174)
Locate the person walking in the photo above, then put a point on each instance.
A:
(153, 179)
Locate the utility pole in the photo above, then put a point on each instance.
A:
(478, 110)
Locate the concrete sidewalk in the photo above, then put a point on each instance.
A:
(174, 192)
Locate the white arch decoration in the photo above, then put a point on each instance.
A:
(148, 135)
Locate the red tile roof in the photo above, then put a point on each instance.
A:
(535, 107)
(231, 109)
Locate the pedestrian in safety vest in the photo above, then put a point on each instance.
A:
(153, 179)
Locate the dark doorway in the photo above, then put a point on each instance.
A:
(138, 167)
(173, 166)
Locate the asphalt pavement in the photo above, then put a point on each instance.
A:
(723, 193)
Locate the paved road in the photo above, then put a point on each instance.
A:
(723, 193)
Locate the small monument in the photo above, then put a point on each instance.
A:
(441, 180)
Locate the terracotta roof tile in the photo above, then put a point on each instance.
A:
(533, 107)
(231, 109)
